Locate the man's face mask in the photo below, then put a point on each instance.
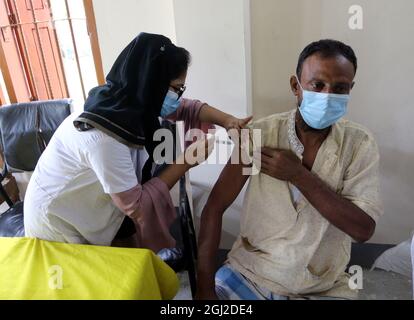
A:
(321, 110)
(171, 103)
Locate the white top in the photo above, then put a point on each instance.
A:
(79, 170)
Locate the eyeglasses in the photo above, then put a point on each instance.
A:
(179, 90)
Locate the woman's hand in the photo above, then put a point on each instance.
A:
(195, 154)
(212, 115)
(236, 123)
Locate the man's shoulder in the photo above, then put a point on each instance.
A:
(355, 130)
(272, 120)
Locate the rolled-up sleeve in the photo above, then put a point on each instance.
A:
(189, 112)
(361, 182)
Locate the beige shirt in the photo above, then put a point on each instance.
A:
(285, 244)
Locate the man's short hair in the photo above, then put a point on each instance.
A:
(327, 49)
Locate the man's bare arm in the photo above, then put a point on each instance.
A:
(339, 211)
(225, 191)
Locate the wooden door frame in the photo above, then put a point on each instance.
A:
(7, 77)
(93, 36)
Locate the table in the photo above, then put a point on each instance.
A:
(37, 269)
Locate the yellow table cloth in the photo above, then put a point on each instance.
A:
(38, 269)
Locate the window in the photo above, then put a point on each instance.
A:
(48, 50)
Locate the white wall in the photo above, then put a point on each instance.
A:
(119, 22)
(3, 88)
(382, 98)
(214, 33)
(218, 37)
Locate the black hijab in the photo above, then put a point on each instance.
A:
(127, 107)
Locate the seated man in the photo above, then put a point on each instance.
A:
(317, 188)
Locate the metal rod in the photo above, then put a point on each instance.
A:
(75, 48)
(41, 50)
(41, 21)
(62, 68)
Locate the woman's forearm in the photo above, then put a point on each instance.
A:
(173, 173)
(195, 154)
(213, 115)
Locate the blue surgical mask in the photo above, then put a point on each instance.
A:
(171, 104)
(321, 110)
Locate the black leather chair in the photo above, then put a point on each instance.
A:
(25, 131)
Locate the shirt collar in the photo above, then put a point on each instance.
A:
(294, 141)
(334, 138)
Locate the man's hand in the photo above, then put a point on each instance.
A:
(280, 164)
(342, 213)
